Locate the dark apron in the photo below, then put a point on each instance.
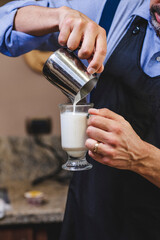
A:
(107, 203)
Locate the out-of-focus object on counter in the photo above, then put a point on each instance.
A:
(4, 202)
(35, 197)
(2, 208)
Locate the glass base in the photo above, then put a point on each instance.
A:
(77, 165)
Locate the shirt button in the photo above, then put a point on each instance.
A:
(158, 59)
(136, 30)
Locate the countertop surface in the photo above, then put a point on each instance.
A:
(22, 212)
(24, 160)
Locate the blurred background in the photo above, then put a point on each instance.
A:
(25, 93)
(30, 161)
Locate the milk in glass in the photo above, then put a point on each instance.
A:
(73, 133)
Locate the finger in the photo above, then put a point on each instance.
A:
(100, 69)
(102, 123)
(102, 136)
(105, 112)
(64, 35)
(106, 160)
(95, 156)
(88, 44)
(99, 158)
(99, 54)
(102, 149)
(74, 38)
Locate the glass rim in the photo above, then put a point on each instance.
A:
(77, 105)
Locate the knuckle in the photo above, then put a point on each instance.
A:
(121, 118)
(106, 139)
(72, 46)
(92, 120)
(87, 143)
(61, 40)
(114, 141)
(127, 124)
(112, 153)
(118, 129)
(89, 130)
(80, 23)
(92, 26)
(69, 21)
(104, 111)
(65, 8)
(103, 31)
(109, 159)
(106, 161)
(96, 65)
(85, 52)
(102, 51)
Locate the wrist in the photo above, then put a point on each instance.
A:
(148, 166)
(140, 165)
(52, 19)
(61, 14)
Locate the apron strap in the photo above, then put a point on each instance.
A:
(108, 14)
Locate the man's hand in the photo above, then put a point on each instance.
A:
(76, 31)
(120, 146)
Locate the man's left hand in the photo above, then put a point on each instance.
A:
(119, 145)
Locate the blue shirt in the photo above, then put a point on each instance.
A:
(14, 43)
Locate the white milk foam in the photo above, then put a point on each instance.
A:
(73, 133)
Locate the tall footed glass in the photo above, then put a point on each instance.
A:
(73, 135)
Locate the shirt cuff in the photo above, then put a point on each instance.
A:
(14, 43)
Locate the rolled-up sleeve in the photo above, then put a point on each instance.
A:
(14, 43)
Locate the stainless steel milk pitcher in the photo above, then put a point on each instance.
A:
(65, 70)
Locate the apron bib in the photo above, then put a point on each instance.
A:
(105, 203)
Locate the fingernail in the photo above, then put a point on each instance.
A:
(91, 71)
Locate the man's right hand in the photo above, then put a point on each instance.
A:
(76, 31)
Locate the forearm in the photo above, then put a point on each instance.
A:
(149, 166)
(41, 20)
